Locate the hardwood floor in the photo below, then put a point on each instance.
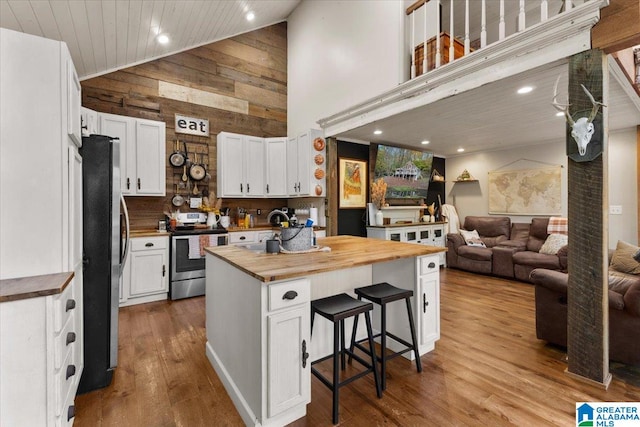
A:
(487, 369)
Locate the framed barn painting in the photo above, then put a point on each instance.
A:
(352, 183)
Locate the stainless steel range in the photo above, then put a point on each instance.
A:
(187, 274)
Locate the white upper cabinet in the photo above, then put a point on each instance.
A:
(306, 164)
(88, 121)
(276, 175)
(142, 153)
(241, 165)
(74, 97)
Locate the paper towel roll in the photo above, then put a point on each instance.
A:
(313, 214)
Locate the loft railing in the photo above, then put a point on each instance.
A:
(440, 35)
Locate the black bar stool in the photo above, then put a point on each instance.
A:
(336, 308)
(382, 294)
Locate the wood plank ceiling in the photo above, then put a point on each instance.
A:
(107, 35)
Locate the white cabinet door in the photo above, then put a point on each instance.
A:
(288, 368)
(88, 121)
(123, 128)
(150, 158)
(429, 309)
(230, 165)
(305, 159)
(147, 270)
(74, 99)
(254, 166)
(276, 163)
(292, 166)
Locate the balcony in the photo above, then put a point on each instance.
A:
(472, 43)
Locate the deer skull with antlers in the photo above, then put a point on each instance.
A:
(581, 129)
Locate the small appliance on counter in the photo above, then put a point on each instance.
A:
(187, 273)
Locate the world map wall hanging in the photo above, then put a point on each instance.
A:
(526, 191)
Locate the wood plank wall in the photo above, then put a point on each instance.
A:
(239, 84)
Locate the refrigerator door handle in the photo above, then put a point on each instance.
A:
(127, 233)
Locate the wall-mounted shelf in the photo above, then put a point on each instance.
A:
(466, 180)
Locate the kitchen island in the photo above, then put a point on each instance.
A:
(258, 314)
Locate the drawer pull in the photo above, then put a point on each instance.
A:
(71, 371)
(432, 265)
(290, 295)
(71, 412)
(149, 245)
(71, 337)
(71, 304)
(242, 237)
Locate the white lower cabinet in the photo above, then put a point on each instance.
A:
(423, 234)
(288, 330)
(428, 304)
(41, 358)
(146, 274)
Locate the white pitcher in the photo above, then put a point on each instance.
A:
(212, 220)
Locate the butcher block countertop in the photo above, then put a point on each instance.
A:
(346, 252)
(34, 286)
(148, 233)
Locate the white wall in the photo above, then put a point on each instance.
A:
(341, 53)
(471, 198)
(623, 186)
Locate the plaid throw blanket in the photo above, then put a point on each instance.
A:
(558, 225)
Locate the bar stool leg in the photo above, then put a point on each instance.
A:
(383, 344)
(336, 372)
(413, 335)
(376, 379)
(353, 333)
(342, 353)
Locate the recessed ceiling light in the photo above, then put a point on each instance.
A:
(425, 142)
(525, 89)
(250, 16)
(559, 114)
(377, 132)
(460, 150)
(162, 38)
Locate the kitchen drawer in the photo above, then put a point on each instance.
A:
(64, 379)
(242, 237)
(63, 306)
(289, 294)
(263, 236)
(64, 342)
(149, 243)
(429, 264)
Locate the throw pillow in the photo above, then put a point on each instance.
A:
(472, 238)
(622, 259)
(554, 242)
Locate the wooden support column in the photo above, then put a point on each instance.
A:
(587, 329)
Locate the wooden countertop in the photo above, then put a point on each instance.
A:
(34, 286)
(148, 233)
(346, 252)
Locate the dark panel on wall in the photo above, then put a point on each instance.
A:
(353, 221)
(437, 188)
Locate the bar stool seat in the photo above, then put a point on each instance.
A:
(336, 309)
(382, 294)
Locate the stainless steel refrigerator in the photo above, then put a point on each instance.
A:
(104, 256)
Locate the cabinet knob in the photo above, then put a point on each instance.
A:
(267, 188)
(138, 183)
(128, 183)
(241, 188)
(164, 270)
(71, 371)
(71, 337)
(305, 355)
(290, 295)
(71, 304)
(248, 190)
(425, 303)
